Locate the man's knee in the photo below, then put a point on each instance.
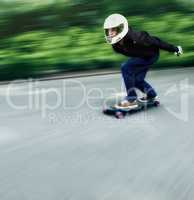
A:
(123, 67)
(126, 68)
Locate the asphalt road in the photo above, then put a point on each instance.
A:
(55, 143)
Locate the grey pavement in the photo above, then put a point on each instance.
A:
(55, 143)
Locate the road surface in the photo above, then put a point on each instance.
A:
(55, 143)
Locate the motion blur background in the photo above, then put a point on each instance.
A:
(39, 37)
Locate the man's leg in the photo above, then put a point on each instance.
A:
(140, 75)
(134, 72)
(144, 86)
(128, 74)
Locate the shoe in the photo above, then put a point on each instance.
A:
(147, 99)
(125, 104)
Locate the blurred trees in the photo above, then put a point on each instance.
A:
(67, 35)
(20, 16)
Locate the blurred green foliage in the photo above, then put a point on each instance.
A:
(39, 37)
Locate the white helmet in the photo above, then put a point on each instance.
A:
(117, 22)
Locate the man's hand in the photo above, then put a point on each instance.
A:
(179, 51)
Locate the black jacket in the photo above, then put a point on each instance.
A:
(141, 44)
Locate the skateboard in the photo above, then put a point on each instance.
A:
(121, 113)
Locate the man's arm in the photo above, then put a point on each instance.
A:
(146, 39)
(155, 41)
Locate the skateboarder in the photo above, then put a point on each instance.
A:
(143, 50)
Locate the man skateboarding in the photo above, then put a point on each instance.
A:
(143, 50)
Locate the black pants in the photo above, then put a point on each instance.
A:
(134, 72)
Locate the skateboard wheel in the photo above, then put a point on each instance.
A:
(119, 115)
(156, 103)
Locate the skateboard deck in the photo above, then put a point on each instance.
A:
(121, 113)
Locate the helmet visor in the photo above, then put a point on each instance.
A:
(112, 32)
